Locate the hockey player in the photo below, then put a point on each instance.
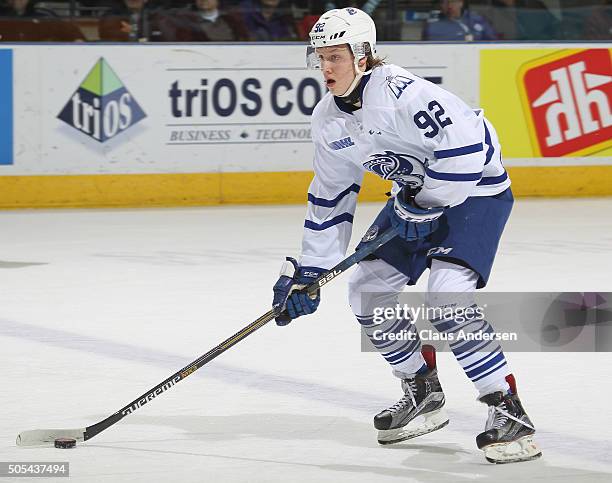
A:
(450, 201)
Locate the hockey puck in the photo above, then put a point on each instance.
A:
(65, 443)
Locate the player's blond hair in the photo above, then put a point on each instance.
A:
(371, 61)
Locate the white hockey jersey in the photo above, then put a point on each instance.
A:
(409, 131)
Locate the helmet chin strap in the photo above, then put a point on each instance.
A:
(358, 75)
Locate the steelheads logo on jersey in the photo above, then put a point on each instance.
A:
(101, 107)
(567, 99)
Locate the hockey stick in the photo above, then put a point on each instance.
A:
(46, 437)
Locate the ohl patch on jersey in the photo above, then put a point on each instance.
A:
(567, 100)
(101, 107)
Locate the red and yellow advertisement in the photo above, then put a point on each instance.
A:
(549, 103)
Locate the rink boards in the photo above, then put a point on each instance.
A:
(136, 125)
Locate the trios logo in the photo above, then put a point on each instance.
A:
(101, 107)
(568, 102)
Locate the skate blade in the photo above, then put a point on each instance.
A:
(419, 426)
(523, 449)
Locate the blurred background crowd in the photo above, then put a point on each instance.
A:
(291, 20)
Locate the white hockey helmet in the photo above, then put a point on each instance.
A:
(342, 26)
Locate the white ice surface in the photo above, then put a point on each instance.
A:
(98, 306)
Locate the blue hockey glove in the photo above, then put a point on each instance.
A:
(287, 294)
(410, 221)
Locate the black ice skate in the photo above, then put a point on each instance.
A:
(508, 435)
(419, 411)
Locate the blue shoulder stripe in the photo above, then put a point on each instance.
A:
(326, 224)
(453, 176)
(493, 179)
(490, 150)
(354, 188)
(462, 151)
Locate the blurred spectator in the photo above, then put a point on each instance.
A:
(535, 21)
(24, 9)
(598, 26)
(521, 20)
(91, 8)
(305, 24)
(318, 7)
(502, 15)
(267, 20)
(202, 22)
(132, 21)
(367, 6)
(103, 6)
(457, 23)
(315, 9)
(22, 21)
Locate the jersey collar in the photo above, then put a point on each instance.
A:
(350, 108)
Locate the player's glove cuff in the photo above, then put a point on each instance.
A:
(411, 221)
(288, 299)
